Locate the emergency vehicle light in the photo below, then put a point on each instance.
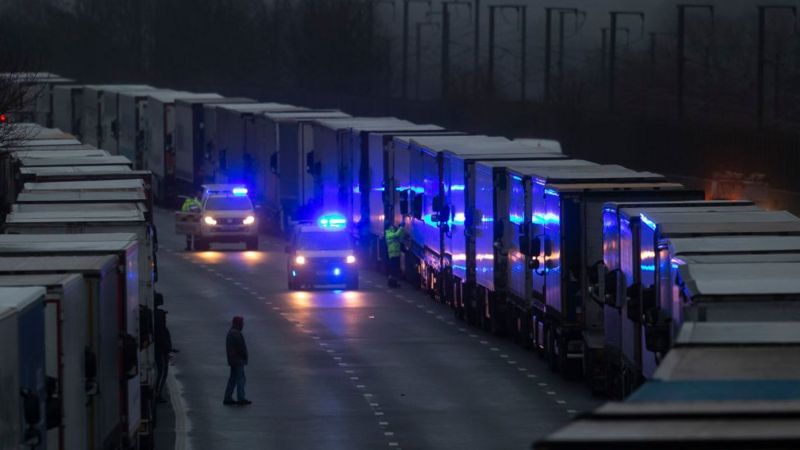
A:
(239, 191)
(332, 221)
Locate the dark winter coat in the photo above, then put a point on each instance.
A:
(236, 348)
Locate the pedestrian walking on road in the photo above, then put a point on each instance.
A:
(237, 359)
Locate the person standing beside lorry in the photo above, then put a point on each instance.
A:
(192, 204)
(394, 245)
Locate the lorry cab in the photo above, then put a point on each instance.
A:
(322, 254)
(226, 215)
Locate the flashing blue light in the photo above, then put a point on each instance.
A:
(648, 222)
(332, 221)
(457, 187)
(239, 191)
(516, 178)
(459, 219)
(516, 219)
(648, 267)
(337, 271)
(294, 273)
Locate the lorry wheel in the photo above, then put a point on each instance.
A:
(252, 244)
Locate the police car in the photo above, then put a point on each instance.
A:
(322, 254)
(226, 215)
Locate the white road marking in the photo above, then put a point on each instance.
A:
(182, 424)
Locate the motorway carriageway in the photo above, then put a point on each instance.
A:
(369, 369)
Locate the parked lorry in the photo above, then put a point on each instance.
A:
(639, 246)
(114, 410)
(159, 140)
(565, 248)
(237, 151)
(116, 108)
(621, 271)
(24, 391)
(127, 126)
(284, 139)
(476, 238)
(713, 415)
(68, 108)
(192, 158)
(66, 338)
(93, 109)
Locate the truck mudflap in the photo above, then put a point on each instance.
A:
(187, 223)
(594, 362)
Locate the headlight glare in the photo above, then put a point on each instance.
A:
(350, 259)
(300, 260)
(249, 220)
(209, 220)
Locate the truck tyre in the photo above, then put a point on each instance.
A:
(252, 244)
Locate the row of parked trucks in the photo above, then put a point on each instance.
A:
(601, 269)
(78, 270)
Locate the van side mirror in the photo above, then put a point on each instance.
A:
(548, 247)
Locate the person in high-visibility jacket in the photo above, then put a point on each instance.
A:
(394, 246)
(191, 204)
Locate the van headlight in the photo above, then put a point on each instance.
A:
(299, 260)
(209, 220)
(350, 259)
(249, 220)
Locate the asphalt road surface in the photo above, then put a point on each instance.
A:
(368, 369)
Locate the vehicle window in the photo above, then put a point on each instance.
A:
(321, 240)
(228, 204)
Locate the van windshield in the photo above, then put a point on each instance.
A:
(323, 240)
(228, 204)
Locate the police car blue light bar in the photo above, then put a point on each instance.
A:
(332, 221)
(240, 191)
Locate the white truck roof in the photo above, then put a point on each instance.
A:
(762, 279)
(69, 160)
(101, 185)
(733, 244)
